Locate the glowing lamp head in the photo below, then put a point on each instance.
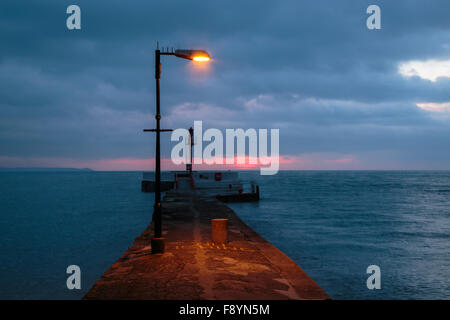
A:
(201, 58)
(195, 55)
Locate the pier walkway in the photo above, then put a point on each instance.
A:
(193, 268)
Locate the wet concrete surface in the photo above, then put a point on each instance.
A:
(195, 268)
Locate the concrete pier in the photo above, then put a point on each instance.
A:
(193, 267)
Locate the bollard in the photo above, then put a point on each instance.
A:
(157, 245)
(219, 230)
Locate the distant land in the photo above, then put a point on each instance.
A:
(44, 170)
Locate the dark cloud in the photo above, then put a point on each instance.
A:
(310, 68)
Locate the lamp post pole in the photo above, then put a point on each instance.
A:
(157, 210)
(157, 241)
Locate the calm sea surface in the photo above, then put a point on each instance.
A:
(333, 224)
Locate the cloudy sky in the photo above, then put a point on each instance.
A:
(343, 96)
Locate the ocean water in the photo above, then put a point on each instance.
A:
(334, 224)
(49, 221)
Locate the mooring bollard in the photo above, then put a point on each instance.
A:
(157, 245)
(219, 230)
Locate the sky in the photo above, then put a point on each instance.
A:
(343, 97)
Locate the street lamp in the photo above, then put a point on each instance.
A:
(196, 55)
(157, 241)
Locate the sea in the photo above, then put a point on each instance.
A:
(333, 224)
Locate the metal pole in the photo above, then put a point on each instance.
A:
(191, 133)
(157, 210)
